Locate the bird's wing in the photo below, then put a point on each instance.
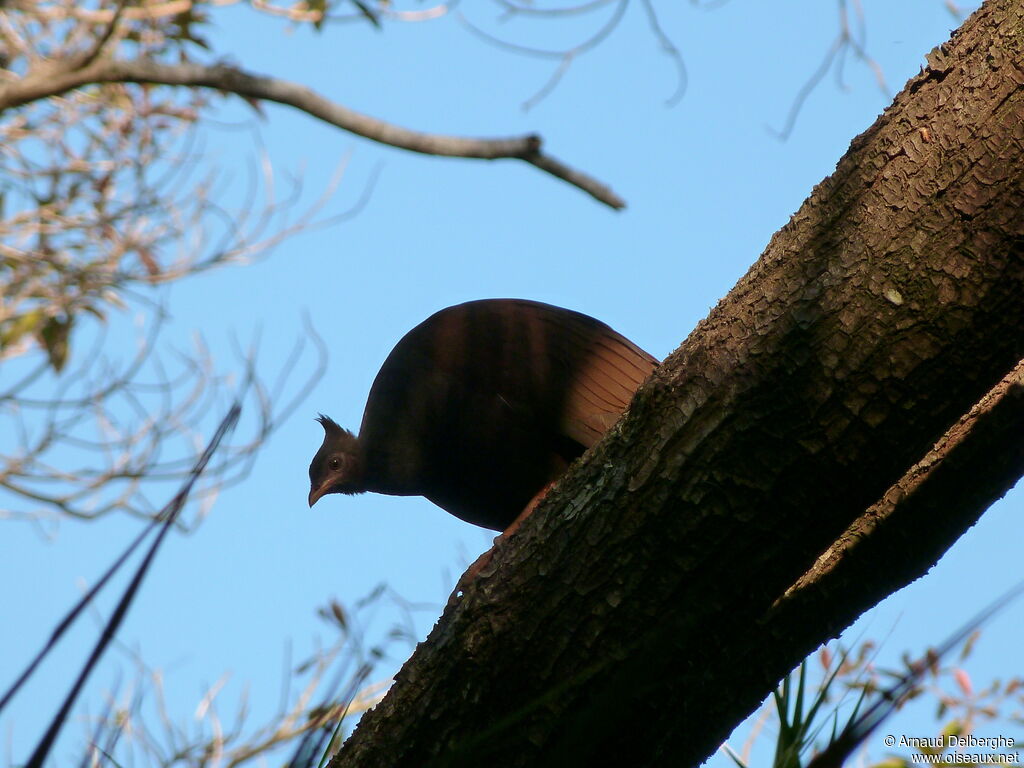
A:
(516, 364)
(604, 386)
(603, 378)
(583, 369)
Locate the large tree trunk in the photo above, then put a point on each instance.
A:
(750, 504)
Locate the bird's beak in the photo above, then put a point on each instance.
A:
(316, 493)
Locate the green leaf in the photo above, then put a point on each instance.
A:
(891, 762)
(16, 327)
(953, 728)
(317, 6)
(54, 336)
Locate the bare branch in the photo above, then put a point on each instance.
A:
(577, 178)
(845, 41)
(122, 429)
(670, 50)
(943, 481)
(519, 8)
(230, 79)
(147, 11)
(806, 89)
(106, 36)
(329, 687)
(567, 56)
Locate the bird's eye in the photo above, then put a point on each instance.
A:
(334, 464)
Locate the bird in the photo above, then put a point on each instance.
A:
(481, 407)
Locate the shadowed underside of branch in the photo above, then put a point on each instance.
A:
(703, 549)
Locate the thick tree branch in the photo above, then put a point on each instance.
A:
(975, 463)
(46, 84)
(625, 622)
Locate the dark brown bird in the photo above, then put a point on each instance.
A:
(481, 406)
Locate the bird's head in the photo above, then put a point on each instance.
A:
(338, 465)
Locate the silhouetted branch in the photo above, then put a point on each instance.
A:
(567, 56)
(845, 41)
(165, 520)
(123, 429)
(331, 689)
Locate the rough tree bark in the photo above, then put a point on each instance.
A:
(778, 475)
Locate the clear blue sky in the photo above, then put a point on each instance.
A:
(707, 185)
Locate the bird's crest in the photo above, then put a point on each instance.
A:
(331, 427)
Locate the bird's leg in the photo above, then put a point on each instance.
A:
(481, 562)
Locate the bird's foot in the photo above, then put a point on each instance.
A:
(484, 560)
(472, 572)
